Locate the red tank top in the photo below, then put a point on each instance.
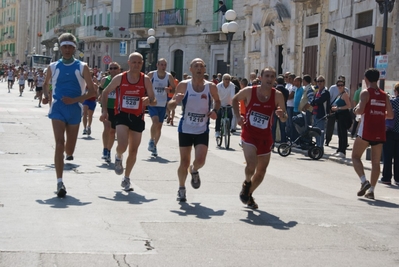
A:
(372, 126)
(259, 115)
(128, 96)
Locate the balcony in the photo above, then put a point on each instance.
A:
(105, 2)
(88, 33)
(140, 22)
(71, 21)
(173, 19)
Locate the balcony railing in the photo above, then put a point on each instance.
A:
(142, 20)
(71, 20)
(48, 35)
(172, 17)
(112, 32)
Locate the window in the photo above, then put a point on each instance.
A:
(364, 19)
(312, 31)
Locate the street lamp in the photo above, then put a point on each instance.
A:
(55, 49)
(385, 6)
(150, 40)
(229, 28)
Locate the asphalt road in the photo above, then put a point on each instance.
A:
(309, 214)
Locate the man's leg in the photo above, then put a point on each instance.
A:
(359, 146)
(376, 151)
(200, 152)
(106, 133)
(59, 131)
(260, 172)
(156, 129)
(90, 117)
(85, 114)
(134, 142)
(330, 128)
(185, 159)
(251, 159)
(71, 138)
(123, 139)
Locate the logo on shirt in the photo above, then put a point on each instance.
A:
(376, 102)
(204, 96)
(135, 92)
(377, 112)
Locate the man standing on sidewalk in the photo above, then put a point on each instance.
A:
(162, 82)
(375, 107)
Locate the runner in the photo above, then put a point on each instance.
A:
(196, 95)
(31, 77)
(163, 83)
(39, 81)
(10, 78)
(21, 81)
(109, 124)
(133, 92)
(261, 101)
(89, 105)
(171, 113)
(69, 78)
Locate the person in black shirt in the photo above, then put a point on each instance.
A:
(222, 8)
(283, 136)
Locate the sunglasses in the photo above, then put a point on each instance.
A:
(340, 85)
(320, 81)
(114, 68)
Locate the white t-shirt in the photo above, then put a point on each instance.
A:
(290, 88)
(226, 94)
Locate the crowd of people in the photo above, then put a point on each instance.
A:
(265, 108)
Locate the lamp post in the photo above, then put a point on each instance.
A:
(229, 28)
(385, 7)
(150, 40)
(55, 49)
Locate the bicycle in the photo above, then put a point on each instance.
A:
(225, 125)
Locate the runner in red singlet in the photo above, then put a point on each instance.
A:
(375, 107)
(261, 101)
(133, 92)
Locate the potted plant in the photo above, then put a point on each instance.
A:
(108, 34)
(39, 34)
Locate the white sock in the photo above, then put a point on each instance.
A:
(371, 189)
(59, 180)
(117, 157)
(125, 178)
(363, 178)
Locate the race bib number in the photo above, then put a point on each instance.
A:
(195, 119)
(159, 90)
(259, 120)
(131, 102)
(112, 95)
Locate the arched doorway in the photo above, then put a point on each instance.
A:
(178, 63)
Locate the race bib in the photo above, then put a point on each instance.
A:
(159, 90)
(112, 95)
(131, 102)
(195, 119)
(259, 120)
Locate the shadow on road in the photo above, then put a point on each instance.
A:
(380, 203)
(130, 197)
(159, 160)
(263, 218)
(199, 211)
(62, 203)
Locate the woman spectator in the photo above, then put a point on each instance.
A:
(390, 148)
(340, 106)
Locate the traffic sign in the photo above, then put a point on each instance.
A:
(107, 59)
(122, 48)
(381, 63)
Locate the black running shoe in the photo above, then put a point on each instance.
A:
(181, 195)
(363, 188)
(251, 203)
(61, 190)
(244, 194)
(69, 158)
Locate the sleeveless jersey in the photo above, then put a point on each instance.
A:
(159, 88)
(111, 96)
(10, 75)
(40, 80)
(372, 125)
(128, 96)
(196, 106)
(21, 79)
(67, 79)
(259, 116)
(30, 75)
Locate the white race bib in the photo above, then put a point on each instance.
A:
(259, 120)
(194, 119)
(112, 95)
(131, 102)
(159, 90)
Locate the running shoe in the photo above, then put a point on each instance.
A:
(384, 182)
(61, 190)
(88, 131)
(244, 194)
(251, 203)
(126, 184)
(108, 158)
(154, 152)
(84, 131)
(369, 195)
(151, 145)
(181, 195)
(69, 157)
(217, 134)
(195, 179)
(105, 153)
(118, 166)
(363, 188)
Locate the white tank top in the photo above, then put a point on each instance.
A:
(40, 81)
(159, 88)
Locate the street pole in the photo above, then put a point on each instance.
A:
(229, 38)
(384, 37)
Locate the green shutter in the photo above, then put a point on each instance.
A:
(108, 19)
(179, 3)
(148, 16)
